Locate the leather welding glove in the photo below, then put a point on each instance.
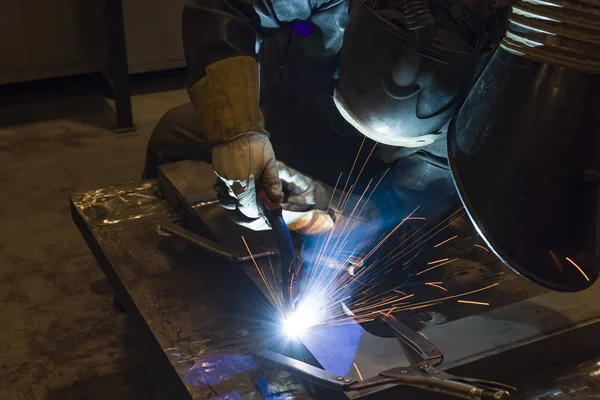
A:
(305, 209)
(227, 103)
(242, 164)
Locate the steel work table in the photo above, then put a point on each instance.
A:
(205, 319)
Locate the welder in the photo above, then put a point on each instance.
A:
(389, 90)
(276, 84)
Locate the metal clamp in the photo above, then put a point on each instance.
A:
(422, 375)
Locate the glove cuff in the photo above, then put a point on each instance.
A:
(226, 100)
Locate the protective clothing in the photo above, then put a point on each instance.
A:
(222, 39)
(233, 122)
(228, 97)
(215, 30)
(243, 163)
(305, 205)
(306, 144)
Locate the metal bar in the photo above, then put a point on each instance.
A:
(118, 67)
(208, 245)
(307, 371)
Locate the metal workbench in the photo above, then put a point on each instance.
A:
(205, 318)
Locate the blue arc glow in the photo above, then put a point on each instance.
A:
(299, 321)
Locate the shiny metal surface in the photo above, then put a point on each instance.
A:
(421, 375)
(519, 151)
(571, 381)
(304, 370)
(120, 203)
(204, 326)
(563, 32)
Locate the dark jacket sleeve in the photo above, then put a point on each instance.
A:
(214, 30)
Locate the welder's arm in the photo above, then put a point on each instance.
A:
(221, 41)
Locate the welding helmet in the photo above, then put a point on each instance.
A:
(407, 65)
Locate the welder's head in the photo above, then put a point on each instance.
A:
(407, 65)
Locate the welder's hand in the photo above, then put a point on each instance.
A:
(304, 210)
(241, 164)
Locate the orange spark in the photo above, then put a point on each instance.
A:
(278, 302)
(357, 371)
(445, 241)
(422, 306)
(420, 241)
(478, 303)
(333, 191)
(437, 261)
(437, 301)
(352, 169)
(436, 285)
(481, 247)
(415, 256)
(436, 266)
(406, 297)
(406, 264)
(579, 268)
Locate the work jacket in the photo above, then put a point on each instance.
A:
(300, 41)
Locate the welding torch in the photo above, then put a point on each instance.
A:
(273, 212)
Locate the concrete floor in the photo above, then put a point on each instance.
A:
(60, 337)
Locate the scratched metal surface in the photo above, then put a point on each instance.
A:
(205, 316)
(202, 314)
(574, 381)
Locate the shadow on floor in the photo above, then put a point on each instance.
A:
(161, 81)
(79, 98)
